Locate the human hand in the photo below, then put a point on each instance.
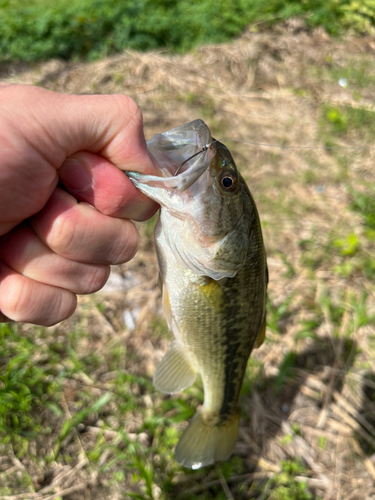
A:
(51, 246)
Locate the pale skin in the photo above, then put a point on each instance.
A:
(57, 242)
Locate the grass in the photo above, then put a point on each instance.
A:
(345, 121)
(356, 74)
(41, 30)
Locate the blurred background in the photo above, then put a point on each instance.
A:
(79, 417)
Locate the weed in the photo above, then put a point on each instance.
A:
(150, 225)
(285, 367)
(322, 442)
(253, 373)
(78, 418)
(277, 314)
(347, 246)
(338, 121)
(284, 486)
(364, 204)
(308, 329)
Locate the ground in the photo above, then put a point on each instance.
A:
(79, 415)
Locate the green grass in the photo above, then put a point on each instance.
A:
(356, 73)
(26, 386)
(364, 204)
(285, 487)
(40, 368)
(91, 29)
(345, 121)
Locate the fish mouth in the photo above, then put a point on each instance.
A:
(179, 146)
(183, 155)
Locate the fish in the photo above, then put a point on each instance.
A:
(213, 275)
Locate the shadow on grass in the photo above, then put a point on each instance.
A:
(266, 409)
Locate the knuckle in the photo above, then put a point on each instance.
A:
(126, 103)
(24, 300)
(62, 238)
(129, 108)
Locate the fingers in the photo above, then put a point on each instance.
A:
(76, 242)
(93, 179)
(26, 254)
(78, 232)
(44, 128)
(25, 300)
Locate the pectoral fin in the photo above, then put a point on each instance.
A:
(174, 372)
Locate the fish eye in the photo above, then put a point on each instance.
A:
(228, 182)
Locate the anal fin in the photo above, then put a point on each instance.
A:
(174, 372)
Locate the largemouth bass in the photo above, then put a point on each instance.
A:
(214, 280)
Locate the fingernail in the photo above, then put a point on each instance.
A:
(74, 175)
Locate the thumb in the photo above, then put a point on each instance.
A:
(59, 125)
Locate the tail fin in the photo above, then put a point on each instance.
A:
(202, 444)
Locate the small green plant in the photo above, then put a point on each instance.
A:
(284, 485)
(322, 442)
(276, 314)
(78, 418)
(337, 119)
(359, 16)
(308, 329)
(364, 204)
(285, 368)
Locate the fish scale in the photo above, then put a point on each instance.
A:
(214, 278)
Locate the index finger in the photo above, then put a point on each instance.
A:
(93, 179)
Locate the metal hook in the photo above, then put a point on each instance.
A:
(203, 150)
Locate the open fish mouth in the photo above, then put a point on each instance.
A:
(183, 155)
